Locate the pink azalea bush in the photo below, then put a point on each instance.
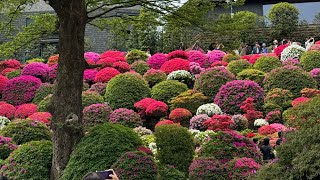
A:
(112, 54)
(37, 69)
(43, 117)
(53, 72)
(7, 110)
(242, 168)
(126, 117)
(105, 75)
(157, 60)
(315, 73)
(206, 168)
(195, 68)
(198, 57)
(215, 56)
(21, 90)
(6, 147)
(121, 66)
(92, 56)
(25, 110)
(89, 75)
(267, 130)
(196, 122)
(3, 82)
(300, 100)
(96, 113)
(178, 54)
(10, 63)
(278, 127)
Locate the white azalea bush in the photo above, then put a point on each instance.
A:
(292, 52)
(260, 122)
(182, 76)
(209, 109)
(3, 121)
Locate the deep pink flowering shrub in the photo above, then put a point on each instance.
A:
(232, 94)
(106, 74)
(242, 168)
(154, 76)
(90, 62)
(291, 62)
(196, 122)
(92, 56)
(20, 90)
(279, 49)
(195, 68)
(53, 73)
(226, 145)
(207, 168)
(112, 54)
(6, 147)
(210, 80)
(250, 111)
(215, 56)
(254, 58)
(96, 114)
(7, 71)
(37, 69)
(219, 63)
(315, 73)
(267, 130)
(7, 110)
(43, 117)
(279, 127)
(3, 82)
(246, 57)
(300, 100)
(178, 54)
(157, 109)
(126, 117)
(25, 110)
(198, 57)
(181, 115)
(240, 121)
(142, 105)
(219, 123)
(274, 117)
(89, 75)
(164, 122)
(156, 60)
(10, 63)
(106, 62)
(121, 66)
(174, 65)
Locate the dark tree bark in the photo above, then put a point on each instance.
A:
(66, 106)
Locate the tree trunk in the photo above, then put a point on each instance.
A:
(66, 106)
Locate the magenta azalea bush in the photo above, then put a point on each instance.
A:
(198, 57)
(92, 56)
(37, 69)
(21, 90)
(126, 117)
(207, 168)
(195, 68)
(232, 94)
(157, 60)
(215, 56)
(25, 110)
(53, 72)
(89, 75)
(242, 168)
(315, 73)
(96, 113)
(6, 147)
(196, 122)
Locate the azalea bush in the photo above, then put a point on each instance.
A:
(209, 109)
(121, 66)
(230, 57)
(267, 130)
(3, 121)
(99, 88)
(242, 168)
(182, 76)
(6, 147)
(253, 75)
(96, 114)
(267, 63)
(195, 68)
(238, 65)
(219, 123)
(174, 65)
(166, 90)
(207, 168)
(240, 122)
(169, 171)
(43, 91)
(37, 69)
(7, 110)
(43, 117)
(280, 97)
(292, 51)
(106, 74)
(178, 54)
(125, 117)
(25, 110)
(14, 73)
(315, 73)
(154, 77)
(198, 57)
(136, 55)
(140, 67)
(181, 115)
(196, 122)
(156, 60)
(3, 82)
(310, 60)
(215, 56)
(90, 97)
(190, 100)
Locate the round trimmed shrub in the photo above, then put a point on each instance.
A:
(198, 57)
(230, 57)
(112, 54)
(195, 68)
(196, 122)
(91, 153)
(140, 67)
(226, 145)
(125, 89)
(209, 109)
(96, 114)
(280, 97)
(174, 65)
(44, 104)
(20, 90)
(106, 62)
(89, 75)
(43, 91)
(135, 166)
(292, 52)
(92, 56)
(157, 109)
(122, 67)
(190, 100)
(182, 76)
(30, 161)
(291, 78)
(240, 121)
(53, 73)
(234, 93)
(52, 60)
(315, 73)
(164, 122)
(125, 117)
(174, 146)
(136, 55)
(211, 80)
(90, 97)
(253, 75)
(310, 60)
(6, 147)
(238, 65)
(14, 73)
(166, 172)
(156, 60)
(38, 70)
(242, 168)
(166, 90)
(254, 58)
(178, 54)
(207, 168)
(3, 82)
(43, 117)
(181, 115)
(10, 63)
(154, 76)
(104, 75)
(215, 56)
(25, 110)
(7, 110)
(267, 63)
(22, 131)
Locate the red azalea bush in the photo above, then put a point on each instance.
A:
(174, 65)
(219, 123)
(121, 66)
(232, 94)
(3, 82)
(43, 117)
(106, 62)
(198, 57)
(10, 63)
(267, 130)
(207, 168)
(181, 115)
(178, 54)
(242, 168)
(157, 60)
(142, 105)
(215, 56)
(112, 54)
(279, 49)
(249, 108)
(246, 57)
(96, 113)
(126, 117)
(37, 69)
(25, 110)
(254, 58)
(7, 70)
(106, 74)
(21, 90)
(154, 76)
(92, 56)
(157, 109)
(7, 110)
(299, 100)
(164, 122)
(219, 63)
(89, 75)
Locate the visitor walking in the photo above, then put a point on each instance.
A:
(264, 48)
(275, 44)
(266, 150)
(256, 49)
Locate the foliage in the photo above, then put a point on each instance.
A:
(181, 115)
(91, 153)
(237, 66)
(125, 117)
(43, 105)
(230, 57)
(154, 76)
(166, 90)
(168, 171)
(291, 78)
(267, 63)
(30, 161)
(90, 97)
(190, 100)
(126, 89)
(14, 74)
(140, 67)
(207, 168)
(211, 80)
(280, 97)
(43, 91)
(6, 147)
(175, 146)
(136, 55)
(310, 60)
(22, 131)
(96, 114)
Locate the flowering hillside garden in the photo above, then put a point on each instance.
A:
(185, 114)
